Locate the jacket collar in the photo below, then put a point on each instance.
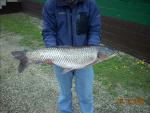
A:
(66, 3)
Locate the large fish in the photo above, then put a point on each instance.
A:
(69, 58)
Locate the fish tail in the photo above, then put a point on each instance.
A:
(21, 55)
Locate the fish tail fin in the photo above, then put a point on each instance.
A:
(21, 55)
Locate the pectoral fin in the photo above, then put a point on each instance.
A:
(66, 70)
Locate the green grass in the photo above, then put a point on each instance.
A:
(22, 25)
(122, 73)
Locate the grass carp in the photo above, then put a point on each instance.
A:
(69, 58)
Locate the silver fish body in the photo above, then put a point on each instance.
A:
(66, 57)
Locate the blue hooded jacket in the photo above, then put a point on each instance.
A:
(74, 25)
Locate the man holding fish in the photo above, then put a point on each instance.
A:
(72, 23)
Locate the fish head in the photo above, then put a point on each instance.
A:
(105, 53)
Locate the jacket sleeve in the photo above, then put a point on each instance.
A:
(94, 34)
(49, 24)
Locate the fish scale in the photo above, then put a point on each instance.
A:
(65, 57)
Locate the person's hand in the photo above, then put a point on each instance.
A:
(49, 62)
(103, 57)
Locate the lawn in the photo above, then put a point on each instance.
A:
(23, 25)
(127, 72)
(122, 76)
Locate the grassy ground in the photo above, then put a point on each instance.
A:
(121, 77)
(125, 75)
(23, 25)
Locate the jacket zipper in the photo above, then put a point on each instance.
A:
(71, 26)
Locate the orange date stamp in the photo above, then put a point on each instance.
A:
(130, 101)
